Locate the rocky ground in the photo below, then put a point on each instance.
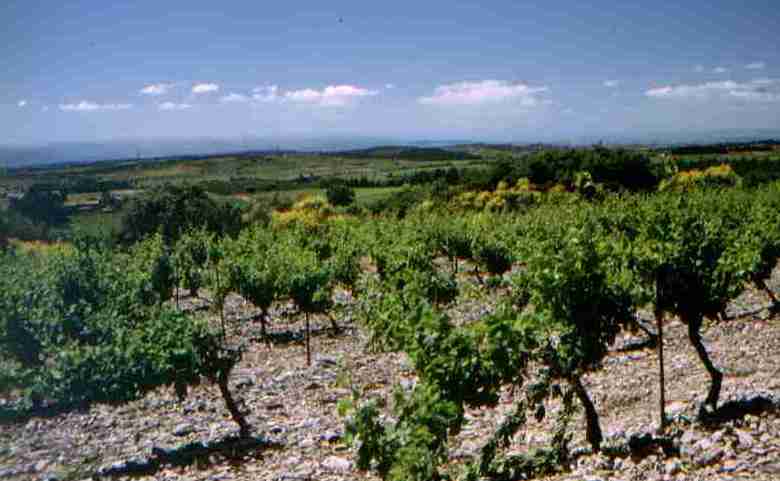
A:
(293, 410)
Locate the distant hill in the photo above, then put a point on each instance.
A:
(452, 149)
(87, 152)
(727, 147)
(407, 153)
(477, 148)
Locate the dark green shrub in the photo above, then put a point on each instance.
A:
(400, 203)
(41, 205)
(339, 194)
(172, 210)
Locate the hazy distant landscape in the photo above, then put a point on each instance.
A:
(77, 152)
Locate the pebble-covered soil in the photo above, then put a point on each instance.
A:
(293, 409)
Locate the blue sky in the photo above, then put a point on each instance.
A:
(501, 70)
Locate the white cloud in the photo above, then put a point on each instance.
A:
(762, 90)
(305, 95)
(45, 108)
(266, 93)
(691, 91)
(170, 106)
(87, 106)
(21, 103)
(698, 68)
(333, 95)
(204, 88)
(720, 70)
(483, 92)
(755, 66)
(611, 83)
(155, 89)
(389, 86)
(666, 91)
(234, 98)
(757, 96)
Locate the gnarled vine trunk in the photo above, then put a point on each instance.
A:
(222, 381)
(593, 428)
(694, 335)
(772, 297)
(333, 324)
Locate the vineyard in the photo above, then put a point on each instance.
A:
(497, 312)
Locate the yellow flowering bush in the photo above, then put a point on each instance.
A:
(505, 197)
(716, 176)
(310, 212)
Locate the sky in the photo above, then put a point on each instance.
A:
(504, 70)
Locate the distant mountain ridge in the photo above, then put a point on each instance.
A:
(85, 152)
(408, 153)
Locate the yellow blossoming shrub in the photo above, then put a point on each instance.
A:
(716, 176)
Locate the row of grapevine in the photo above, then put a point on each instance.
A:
(294, 264)
(89, 324)
(582, 274)
(86, 324)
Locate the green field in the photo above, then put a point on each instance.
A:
(281, 178)
(246, 179)
(264, 170)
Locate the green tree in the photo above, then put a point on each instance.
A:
(340, 194)
(173, 210)
(41, 205)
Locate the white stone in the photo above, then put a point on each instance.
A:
(334, 463)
